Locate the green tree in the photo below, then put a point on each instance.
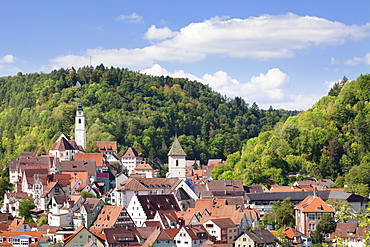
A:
(87, 194)
(284, 211)
(43, 220)
(25, 206)
(325, 225)
(342, 208)
(282, 214)
(5, 185)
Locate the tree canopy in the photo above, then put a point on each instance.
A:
(128, 107)
(330, 140)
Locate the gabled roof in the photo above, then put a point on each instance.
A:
(256, 188)
(90, 204)
(108, 146)
(130, 152)
(169, 183)
(62, 145)
(176, 149)
(182, 195)
(74, 176)
(74, 145)
(97, 157)
(152, 238)
(172, 232)
(107, 217)
(314, 204)
(79, 166)
(350, 230)
(132, 184)
(16, 195)
(78, 230)
(16, 224)
(45, 161)
(153, 203)
(144, 232)
(228, 211)
(210, 203)
(261, 236)
(187, 217)
(169, 215)
(120, 236)
(225, 185)
(196, 232)
(223, 222)
(143, 166)
(292, 233)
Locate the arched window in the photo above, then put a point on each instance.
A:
(79, 120)
(177, 162)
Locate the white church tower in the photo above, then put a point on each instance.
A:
(176, 161)
(80, 130)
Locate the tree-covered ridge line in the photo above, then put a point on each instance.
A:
(330, 140)
(128, 107)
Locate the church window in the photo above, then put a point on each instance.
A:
(79, 120)
(177, 162)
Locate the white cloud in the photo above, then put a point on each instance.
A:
(264, 37)
(133, 18)
(159, 33)
(358, 60)
(8, 59)
(134, 58)
(266, 89)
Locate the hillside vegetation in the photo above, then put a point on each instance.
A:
(330, 140)
(128, 107)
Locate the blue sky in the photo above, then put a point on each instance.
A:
(281, 53)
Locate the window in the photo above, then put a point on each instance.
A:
(186, 242)
(311, 216)
(311, 227)
(81, 236)
(178, 241)
(224, 231)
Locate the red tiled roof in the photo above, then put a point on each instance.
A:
(97, 157)
(314, 204)
(107, 146)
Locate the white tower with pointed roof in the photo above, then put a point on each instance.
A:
(176, 161)
(80, 130)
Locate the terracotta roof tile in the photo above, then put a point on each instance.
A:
(97, 157)
(109, 146)
(314, 204)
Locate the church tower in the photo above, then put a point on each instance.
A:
(176, 161)
(80, 130)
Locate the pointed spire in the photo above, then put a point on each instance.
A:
(176, 149)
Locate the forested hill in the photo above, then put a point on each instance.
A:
(127, 107)
(330, 140)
